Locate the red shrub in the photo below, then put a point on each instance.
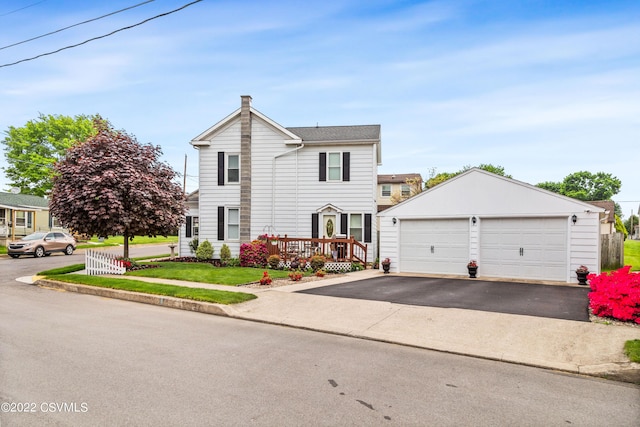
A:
(253, 254)
(616, 294)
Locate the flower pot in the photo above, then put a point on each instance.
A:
(472, 271)
(582, 277)
(386, 266)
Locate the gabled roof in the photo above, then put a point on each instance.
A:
(400, 178)
(22, 201)
(205, 137)
(609, 207)
(478, 192)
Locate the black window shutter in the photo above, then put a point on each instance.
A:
(323, 167)
(367, 228)
(314, 225)
(220, 222)
(344, 229)
(220, 167)
(346, 166)
(187, 231)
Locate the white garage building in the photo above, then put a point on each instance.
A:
(512, 229)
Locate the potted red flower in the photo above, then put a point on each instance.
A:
(473, 268)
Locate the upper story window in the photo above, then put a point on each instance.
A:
(233, 169)
(386, 190)
(228, 168)
(335, 166)
(406, 190)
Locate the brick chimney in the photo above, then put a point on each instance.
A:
(245, 169)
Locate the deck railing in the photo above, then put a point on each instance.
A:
(338, 249)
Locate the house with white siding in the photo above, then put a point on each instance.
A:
(257, 177)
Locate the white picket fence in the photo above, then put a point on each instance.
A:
(97, 263)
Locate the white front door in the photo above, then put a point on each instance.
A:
(528, 248)
(439, 246)
(329, 226)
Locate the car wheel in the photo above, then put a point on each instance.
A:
(14, 255)
(39, 252)
(68, 250)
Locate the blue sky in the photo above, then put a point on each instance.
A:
(543, 88)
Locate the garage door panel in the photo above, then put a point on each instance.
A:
(533, 248)
(434, 246)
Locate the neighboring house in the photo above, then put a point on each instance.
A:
(608, 220)
(395, 185)
(512, 229)
(22, 214)
(257, 177)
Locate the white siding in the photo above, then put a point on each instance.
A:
(285, 184)
(486, 196)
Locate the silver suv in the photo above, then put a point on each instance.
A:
(42, 244)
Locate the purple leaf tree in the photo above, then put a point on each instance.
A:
(112, 185)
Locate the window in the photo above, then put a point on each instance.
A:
(195, 226)
(386, 190)
(20, 218)
(406, 190)
(355, 227)
(233, 224)
(233, 169)
(334, 167)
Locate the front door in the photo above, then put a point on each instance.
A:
(329, 225)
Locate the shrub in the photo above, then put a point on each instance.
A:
(616, 295)
(234, 262)
(295, 275)
(204, 251)
(265, 280)
(193, 245)
(225, 254)
(317, 262)
(274, 262)
(254, 254)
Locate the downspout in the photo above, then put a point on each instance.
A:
(273, 183)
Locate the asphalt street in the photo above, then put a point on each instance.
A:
(552, 301)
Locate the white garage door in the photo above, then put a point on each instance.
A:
(528, 248)
(434, 246)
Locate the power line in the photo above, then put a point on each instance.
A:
(103, 36)
(75, 25)
(22, 8)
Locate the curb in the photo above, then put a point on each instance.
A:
(160, 300)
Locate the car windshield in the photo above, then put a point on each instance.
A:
(34, 236)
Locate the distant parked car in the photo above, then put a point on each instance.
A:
(42, 244)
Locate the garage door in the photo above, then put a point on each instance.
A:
(434, 246)
(528, 248)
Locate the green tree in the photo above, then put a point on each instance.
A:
(32, 150)
(630, 223)
(112, 185)
(435, 179)
(586, 186)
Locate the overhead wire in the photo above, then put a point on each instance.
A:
(22, 8)
(103, 36)
(75, 25)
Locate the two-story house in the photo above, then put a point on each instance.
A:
(257, 177)
(397, 186)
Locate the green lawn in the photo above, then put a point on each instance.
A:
(196, 294)
(632, 254)
(632, 350)
(206, 273)
(119, 240)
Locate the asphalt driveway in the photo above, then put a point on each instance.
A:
(553, 301)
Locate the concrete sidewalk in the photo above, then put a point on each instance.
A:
(578, 347)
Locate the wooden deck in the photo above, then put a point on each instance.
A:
(337, 249)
